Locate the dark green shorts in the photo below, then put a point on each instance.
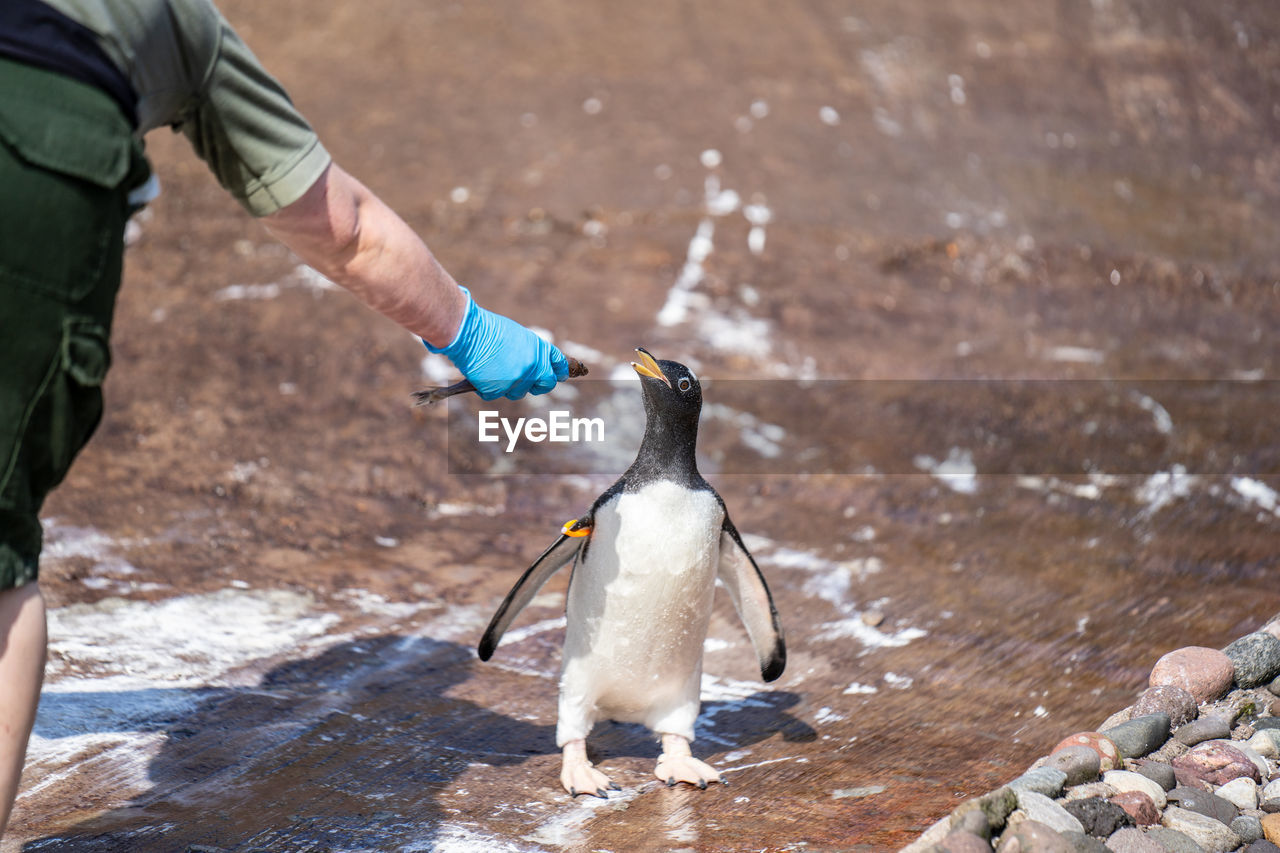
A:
(67, 161)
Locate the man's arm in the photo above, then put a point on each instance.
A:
(347, 233)
(350, 236)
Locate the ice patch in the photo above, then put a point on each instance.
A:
(854, 628)
(565, 830)
(530, 630)
(451, 838)
(957, 472)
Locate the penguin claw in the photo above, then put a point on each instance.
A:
(602, 793)
(702, 784)
(614, 786)
(573, 792)
(671, 781)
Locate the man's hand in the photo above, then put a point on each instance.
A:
(502, 358)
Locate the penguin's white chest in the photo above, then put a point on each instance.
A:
(640, 602)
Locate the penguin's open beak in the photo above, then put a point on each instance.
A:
(648, 366)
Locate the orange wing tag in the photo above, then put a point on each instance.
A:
(570, 530)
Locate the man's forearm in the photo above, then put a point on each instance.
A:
(349, 235)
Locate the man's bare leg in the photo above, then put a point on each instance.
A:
(22, 656)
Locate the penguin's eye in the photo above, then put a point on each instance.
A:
(683, 384)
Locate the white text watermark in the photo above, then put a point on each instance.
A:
(559, 426)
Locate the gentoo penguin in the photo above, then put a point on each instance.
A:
(645, 558)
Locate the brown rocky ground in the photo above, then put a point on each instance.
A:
(270, 581)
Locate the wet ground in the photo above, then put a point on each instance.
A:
(269, 572)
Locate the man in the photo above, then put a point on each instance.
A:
(80, 82)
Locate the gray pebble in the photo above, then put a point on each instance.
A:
(1131, 840)
(1173, 840)
(1082, 843)
(1213, 836)
(1274, 686)
(1256, 657)
(1202, 802)
(995, 807)
(1031, 836)
(1271, 723)
(959, 841)
(1140, 735)
(1039, 808)
(1262, 846)
(973, 822)
(1080, 763)
(1205, 728)
(1248, 828)
(1158, 772)
(1042, 780)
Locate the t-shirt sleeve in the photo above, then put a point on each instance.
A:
(243, 125)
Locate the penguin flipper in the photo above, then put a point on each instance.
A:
(561, 552)
(741, 576)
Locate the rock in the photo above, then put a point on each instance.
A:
(1271, 828)
(1121, 716)
(1271, 791)
(1269, 723)
(1041, 809)
(1099, 817)
(930, 838)
(1171, 750)
(1090, 790)
(1125, 780)
(1138, 806)
(1273, 626)
(959, 841)
(1129, 840)
(1212, 835)
(1158, 772)
(1270, 806)
(995, 807)
(1249, 828)
(1203, 729)
(1173, 841)
(1030, 836)
(1214, 763)
(1080, 763)
(1266, 743)
(1082, 843)
(1204, 673)
(1256, 658)
(1274, 686)
(1262, 846)
(1168, 699)
(1140, 735)
(1202, 802)
(1248, 752)
(1241, 793)
(973, 822)
(1108, 753)
(1043, 780)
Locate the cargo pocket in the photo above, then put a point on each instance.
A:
(64, 210)
(63, 412)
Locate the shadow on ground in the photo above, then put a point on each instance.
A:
(351, 749)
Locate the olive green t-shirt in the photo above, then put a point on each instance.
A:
(189, 69)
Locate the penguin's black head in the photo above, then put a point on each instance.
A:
(671, 391)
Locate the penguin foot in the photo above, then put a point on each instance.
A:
(579, 776)
(676, 764)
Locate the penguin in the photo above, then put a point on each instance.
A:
(645, 560)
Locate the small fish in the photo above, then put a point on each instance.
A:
(428, 396)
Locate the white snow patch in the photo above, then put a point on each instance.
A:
(680, 298)
(856, 689)
(246, 291)
(957, 472)
(530, 630)
(898, 682)
(1258, 493)
(1075, 355)
(826, 715)
(1164, 423)
(1164, 487)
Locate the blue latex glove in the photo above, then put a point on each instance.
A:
(501, 357)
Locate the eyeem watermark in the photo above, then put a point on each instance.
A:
(558, 427)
